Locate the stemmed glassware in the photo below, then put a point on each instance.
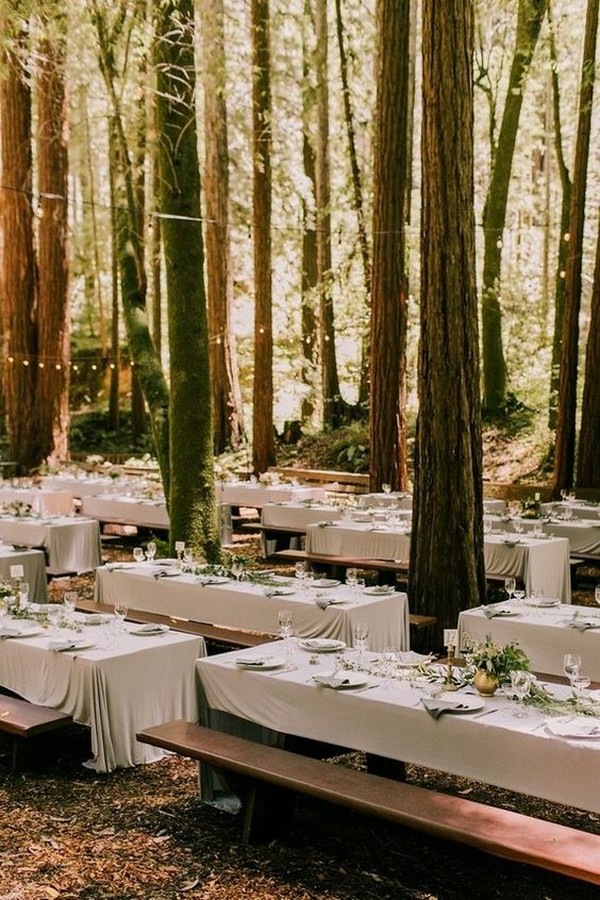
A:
(386, 488)
(300, 573)
(120, 609)
(284, 620)
(390, 657)
(237, 568)
(519, 595)
(69, 601)
(150, 551)
(138, 554)
(509, 586)
(54, 614)
(520, 684)
(360, 634)
(188, 556)
(352, 578)
(23, 594)
(571, 666)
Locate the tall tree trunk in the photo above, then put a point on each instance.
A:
(388, 305)
(310, 274)
(19, 264)
(564, 453)
(332, 401)
(588, 464)
(446, 565)
(530, 16)
(563, 246)
(226, 395)
(130, 242)
(263, 439)
(357, 199)
(52, 391)
(192, 509)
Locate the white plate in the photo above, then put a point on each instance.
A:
(19, 631)
(343, 681)
(541, 604)
(279, 591)
(67, 646)
(322, 645)
(213, 579)
(324, 583)
(567, 726)
(379, 590)
(260, 663)
(408, 658)
(150, 629)
(503, 613)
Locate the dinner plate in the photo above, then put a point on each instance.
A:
(68, 646)
(260, 663)
(541, 604)
(19, 631)
(379, 590)
(322, 645)
(342, 681)
(407, 658)
(503, 613)
(279, 591)
(165, 562)
(462, 703)
(324, 583)
(151, 628)
(212, 579)
(568, 726)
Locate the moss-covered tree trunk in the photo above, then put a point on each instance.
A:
(588, 461)
(446, 565)
(388, 299)
(192, 508)
(530, 16)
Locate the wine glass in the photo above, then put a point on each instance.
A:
(386, 488)
(520, 684)
(519, 595)
(509, 586)
(351, 578)
(69, 601)
(138, 554)
(150, 551)
(237, 568)
(23, 594)
(390, 657)
(571, 665)
(579, 683)
(284, 620)
(120, 610)
(300, 572)
(360, 634)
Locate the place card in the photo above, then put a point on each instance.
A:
(16, 571)
(179, 546)
(450, 637)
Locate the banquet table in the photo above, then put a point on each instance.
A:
(116, 687)
(576, 509)
(544, 633)
(34, 569)
(41, 500)
(543, 564)
(255, 495)
(91, 485)
(519, 754)
(583, 534)
(246, 605)
(71, 543)
(126, 510)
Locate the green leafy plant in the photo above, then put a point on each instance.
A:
(495, 659)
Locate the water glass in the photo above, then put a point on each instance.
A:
(120, 610)
(150, 551)
(386, 488)
(300, 572)
(571, 665)
(284, 620)
(579, 683)
(360, 634)
(509, 586)
(23, 594)
(138, 554)
(520, 685)
(390, 657)
(237, 569)
(54, 614)
(69, 602)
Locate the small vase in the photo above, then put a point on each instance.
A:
(485, 684)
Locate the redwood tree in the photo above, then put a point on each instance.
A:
(446, 565)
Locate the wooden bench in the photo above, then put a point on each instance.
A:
(22, 720)
(218, 634)
(337, 565)
(499, 832)
(338, 482)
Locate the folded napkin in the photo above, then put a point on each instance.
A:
(323, 602)
(324, 524)
(583, 626)
(7, 632)
(275, 592)
(569, 726)
(332, 681)
(321, 644)
(166, 573)
(60, 646)
(490, 612)
(436, 707)
(253, 662)
(150, 628)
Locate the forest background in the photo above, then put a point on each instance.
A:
(240, 186)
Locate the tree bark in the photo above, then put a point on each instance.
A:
(310, 273)
(388, 301)
(588, 464)
(446, 565)
(564, 453)
(263, 438)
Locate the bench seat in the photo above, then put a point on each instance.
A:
(499, 832)
(21, 719)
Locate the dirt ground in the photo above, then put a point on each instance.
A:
(68, 833)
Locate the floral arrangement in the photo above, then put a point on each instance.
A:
(6, 590)
(269, 478)
(18, 508)
(531, 508)
(495, 659)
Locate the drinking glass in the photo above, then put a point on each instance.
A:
(579, 683)
(120, 610)
(360, 634)
(571, 665)
(386, 488)
(188, 556)
(138, 554)
(519, 596)
(300, 572)
(23, 594)
(520, 684)
(284, 620)
(3, 609)
(390, 657)
(69, 601)
(509, 586)
(352, 578)
(54, 614)
(237, 569)
(150, 550)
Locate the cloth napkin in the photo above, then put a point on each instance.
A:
(60, 646)
(436, 707)
(7, 632)
(166, 573)
(324, 524)
(253, 662)
(583, 626)
(150, 628)
(275, 592)
(491, 612)
(332, 681)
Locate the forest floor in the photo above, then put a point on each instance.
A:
(66, 832)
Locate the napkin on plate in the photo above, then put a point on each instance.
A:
(254, 661)
(491, 612)
(332, 681)
(150, 628)
(582, 626)
(60, 646)
(166, 573)
(569, 726)
(436, 707)
(275, 592)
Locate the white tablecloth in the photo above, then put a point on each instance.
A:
(41, 500)
(544, 634)
(579, 509)
(127, 510)
(91, 485)
(141, 681)
(513, 753)
(34, 569)
(583, 534)
(246, 493)
(246, 606)
(542, 564)
(72, 543)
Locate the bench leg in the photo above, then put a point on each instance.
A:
(268, 813)
(387, 768)
(14, 756)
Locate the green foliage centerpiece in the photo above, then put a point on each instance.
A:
(490, 664)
